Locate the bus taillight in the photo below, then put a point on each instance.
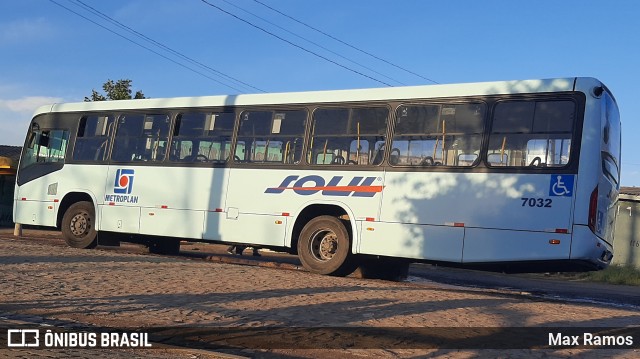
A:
(593, 209)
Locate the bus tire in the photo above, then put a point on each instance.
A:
(79, 225)
(324, 247)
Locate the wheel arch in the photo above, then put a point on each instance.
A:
(74, 197)
(313, 210)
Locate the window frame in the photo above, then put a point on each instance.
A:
(106, 157)
(486, 107)
(200, 138)
(65, 152)
(238, 139)
(68, 122)
(574, 140)
(144, 114)
(308, 154)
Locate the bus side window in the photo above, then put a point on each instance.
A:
(438, 135)
(45, 146)
(92, 140)
(141, 138)
(128, 132)
(155, 137)
(531, 133)
(348, 136)
(202, 137)
(273, 137)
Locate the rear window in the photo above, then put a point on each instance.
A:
(611, 140)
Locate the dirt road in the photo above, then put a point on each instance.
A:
(60, 286)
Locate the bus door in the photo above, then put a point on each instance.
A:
(195, 184)
(43, 155)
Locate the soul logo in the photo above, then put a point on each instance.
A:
(357, 187)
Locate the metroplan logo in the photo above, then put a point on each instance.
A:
(122, 188)
(124, 181)
(357, 186)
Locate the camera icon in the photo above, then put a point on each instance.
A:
(23, 338)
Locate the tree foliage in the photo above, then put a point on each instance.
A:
(115, 90)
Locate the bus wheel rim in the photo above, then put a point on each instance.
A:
(324, 244)
(79, 225)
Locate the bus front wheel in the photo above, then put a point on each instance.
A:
(323, 247)
(78, 225)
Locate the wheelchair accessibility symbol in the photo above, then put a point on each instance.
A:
(561, 185)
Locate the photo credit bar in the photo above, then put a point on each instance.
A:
(557, 339)
(361, 337)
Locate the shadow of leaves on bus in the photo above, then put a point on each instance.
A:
(435, 208)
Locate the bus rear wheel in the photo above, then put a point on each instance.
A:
(324, 247)
(78, 225)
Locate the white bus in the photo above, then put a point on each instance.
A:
(507, 173)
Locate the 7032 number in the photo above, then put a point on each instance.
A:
(536, 202)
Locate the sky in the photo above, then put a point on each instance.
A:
(59, 50)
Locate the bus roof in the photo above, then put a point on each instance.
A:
(352, 95)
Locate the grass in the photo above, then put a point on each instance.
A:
(615, 274)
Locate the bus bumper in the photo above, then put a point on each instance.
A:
(586, 246)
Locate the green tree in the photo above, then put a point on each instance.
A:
(118, 90)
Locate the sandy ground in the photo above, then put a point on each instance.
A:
(57, 285)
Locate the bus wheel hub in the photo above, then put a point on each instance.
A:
(79, 225)
(328, 246)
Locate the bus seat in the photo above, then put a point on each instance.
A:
(379, 156)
